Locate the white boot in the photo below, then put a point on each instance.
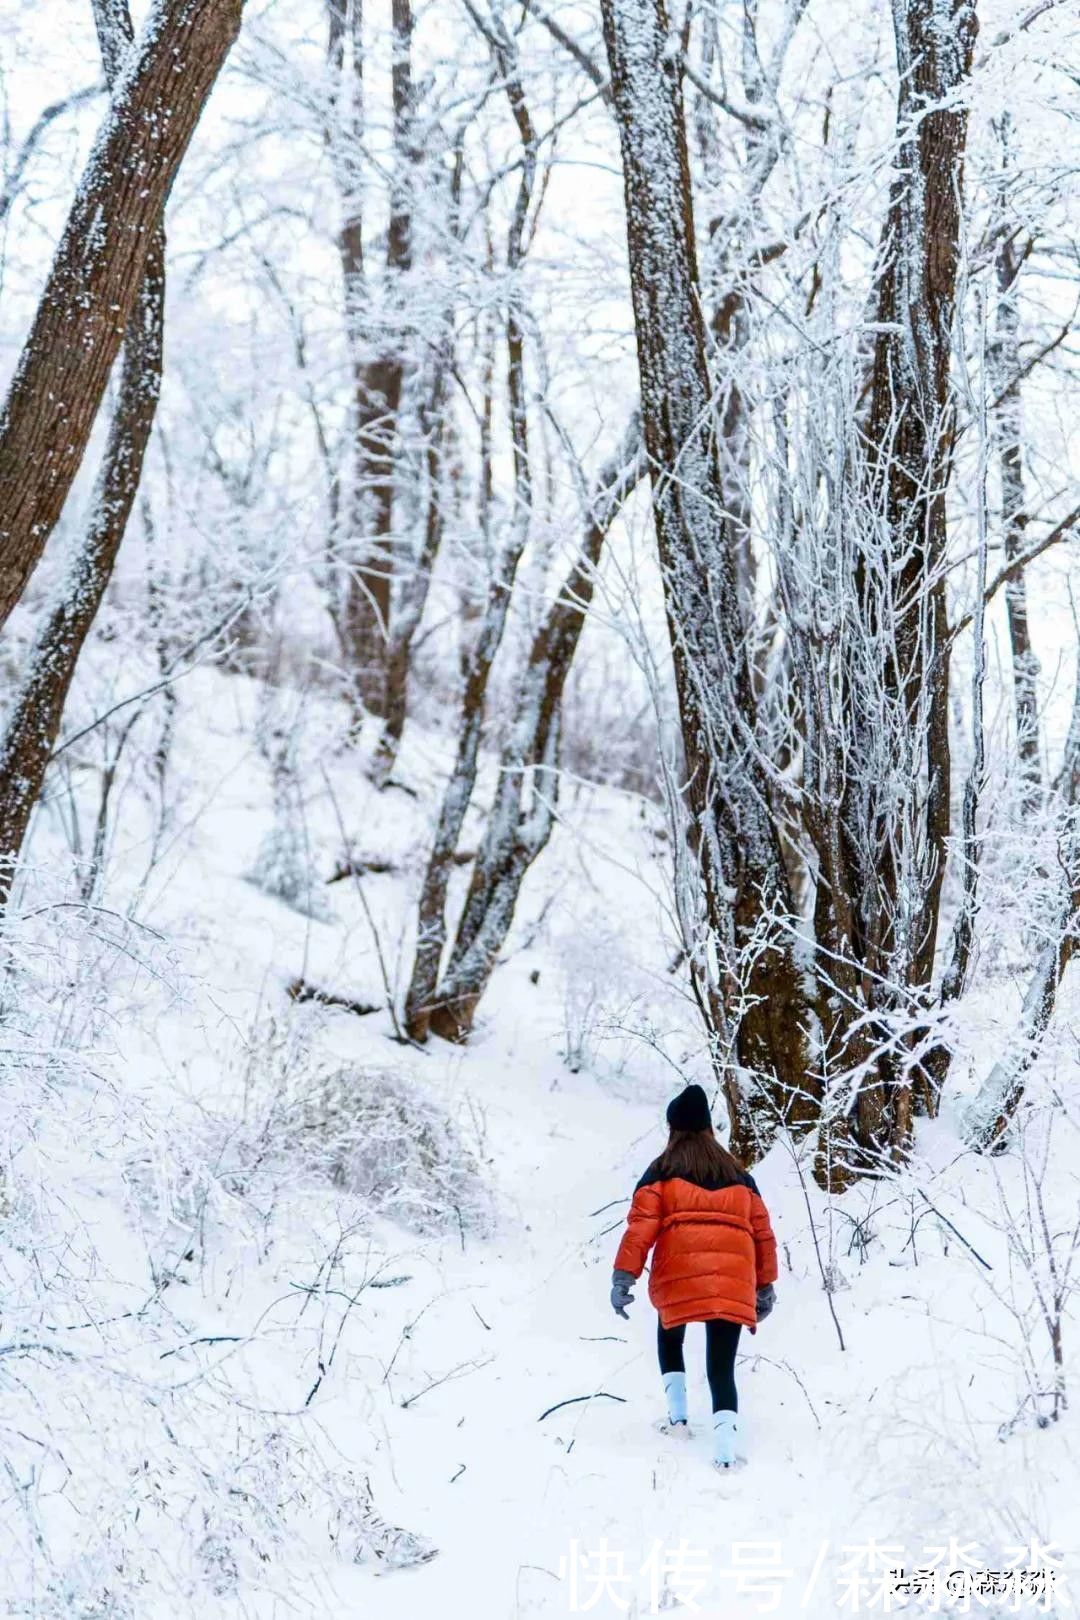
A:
(675, 1390)
(725, 1428)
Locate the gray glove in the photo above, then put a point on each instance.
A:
(766, 1299)
(621, 1284)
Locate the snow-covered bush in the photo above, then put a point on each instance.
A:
(583, 1013)
(385, 1139)
(301, 1122)
(285, 865)
(157, 1445)
(363, 1536)
(1038, 1214)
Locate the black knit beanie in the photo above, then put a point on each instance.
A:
(689, 1111)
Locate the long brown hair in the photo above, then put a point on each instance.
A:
(698, 1156)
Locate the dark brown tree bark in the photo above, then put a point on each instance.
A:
(36, 712)
(97, 273)
(366, 614)
(1003, 366)
(758, 997)
(894, 875)
(526, 793)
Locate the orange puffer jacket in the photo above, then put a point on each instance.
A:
(714, 1248)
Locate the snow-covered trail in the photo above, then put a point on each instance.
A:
(440, 1381)
(507, 1494)
(847, 1454)
(838, 1458)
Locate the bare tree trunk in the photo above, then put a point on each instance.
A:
(344, 137)
(421, 997)
(954, 978)
(517, 830)
(760, 1003)
(1009, 421)
(732, 237)
(1002, 363)
(413, 590)
(1002, 1091)
(365, 618)
(897, 870)
(98, 270)
(37, 709)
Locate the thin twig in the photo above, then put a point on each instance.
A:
(599, 1395)
(384, 971)
(1060, 531)
(455, 1372)
(212, 1338)
(817, 1248)
(954, 1231)
(786, 1366)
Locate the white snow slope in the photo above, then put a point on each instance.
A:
(210, 1343)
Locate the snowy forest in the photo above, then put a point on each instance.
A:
(538, 568)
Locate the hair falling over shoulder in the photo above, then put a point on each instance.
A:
(699, 1156)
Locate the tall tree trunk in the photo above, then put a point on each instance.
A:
(37, 709)
(1006, 429)
(421, 997)
(519, 825)
(731, 239)
(760, 1003)
(1009, 422)
(900, 865)
(413, 589)
(98, 271)
(377, 382)
(934, 1069)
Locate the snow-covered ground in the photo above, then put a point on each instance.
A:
(225, 1309)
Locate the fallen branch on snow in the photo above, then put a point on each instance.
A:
(600, 1395)
(303, 990)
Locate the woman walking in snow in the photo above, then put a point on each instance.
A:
(714, 1260)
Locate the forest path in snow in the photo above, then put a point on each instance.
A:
(440, 1386)
(847, 1458)
(513, 1497)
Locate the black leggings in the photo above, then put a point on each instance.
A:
(721, 1343)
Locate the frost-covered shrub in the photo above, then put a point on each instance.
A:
(160, 1454)
(598, 982)
(299, 1122)
(69, 1597)
(595, 974)
(285, 865)
(362, 1535)
(382, 1136)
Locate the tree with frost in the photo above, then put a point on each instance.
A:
(745, 886)
(33, 721)
(98, 271)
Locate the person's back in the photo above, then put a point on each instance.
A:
(714, 1258)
